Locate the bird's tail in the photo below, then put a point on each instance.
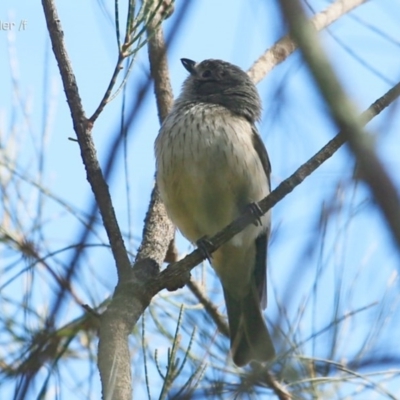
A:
(250, 339)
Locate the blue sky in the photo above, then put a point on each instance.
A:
(358, 254)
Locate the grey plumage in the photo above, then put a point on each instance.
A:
(211, 163)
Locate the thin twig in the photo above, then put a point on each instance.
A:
(144, 17)
(263, 375)
(103, 102)
(275, 385)
(210, 308)
(284, 47)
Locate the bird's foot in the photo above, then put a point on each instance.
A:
(255, 210)
(203, 244)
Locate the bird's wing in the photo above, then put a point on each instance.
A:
(262, 153)
(260, 270)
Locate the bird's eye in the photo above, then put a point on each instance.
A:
(206, 74)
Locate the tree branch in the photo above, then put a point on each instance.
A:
(284, 47)
(131, 297)
(144, 280)
(109, 369)
(210, 308)
(159, 65)
(343, 112)
(83, 130)
(175, 270)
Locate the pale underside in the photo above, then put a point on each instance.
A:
(208, 171)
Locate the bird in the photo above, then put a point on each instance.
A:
(211, 164)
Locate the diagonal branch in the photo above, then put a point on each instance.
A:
(83, 130)
(343, 112)
(174, 271)
(284, 47)
(210, 308)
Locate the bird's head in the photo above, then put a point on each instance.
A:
(222, 83)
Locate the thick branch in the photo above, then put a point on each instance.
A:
(131, 297)
(158, 230)
(342, 110)
(111, 331)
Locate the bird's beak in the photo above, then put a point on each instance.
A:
(189, 65)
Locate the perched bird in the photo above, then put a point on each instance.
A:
(210, 165)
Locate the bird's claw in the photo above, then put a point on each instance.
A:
(203, 244)
(255, 210)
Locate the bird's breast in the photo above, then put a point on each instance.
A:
(207, 169)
